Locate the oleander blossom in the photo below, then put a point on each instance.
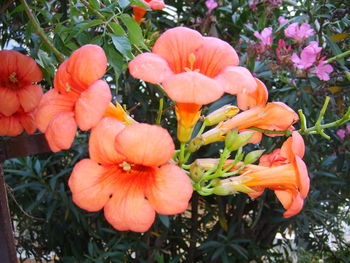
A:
(323, 69)
(18, 73)
(130, 179)
(299, 33)
(211, 5)
(308, 56)
(265, 36)
(79, 98)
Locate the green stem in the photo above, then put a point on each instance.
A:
(323, 111)
(303, 125)
(285, 133)
(342, 55)
(182, 153)
(41, 32)
(201, 130)
(160, 111)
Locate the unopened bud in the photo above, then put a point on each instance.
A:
(231, 138)
(238, 184)
(195, 144)
(253, 156)
(222, 114)
(207, 163)
(224, 190)
(241, 140)
(196, 172)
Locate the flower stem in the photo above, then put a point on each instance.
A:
(41, 32)
(160, 111)
(342, 55)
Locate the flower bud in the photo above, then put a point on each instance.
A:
(195, 144)
(196, 172)
(231, 138)
(241, 140)
(222, 114)
(237, 184)
(253, 156)
(224, 190)
(213, 135)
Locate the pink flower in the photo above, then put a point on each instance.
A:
(275, 2)
(348, 129)
(265, 36)
(341, 134)
(299, 33)
(252, 5)
(307, 57)
(322, 70)
(211, 4)
(282, 20)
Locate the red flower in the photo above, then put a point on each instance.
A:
(15, 124)
(17, 75)
(131, 179)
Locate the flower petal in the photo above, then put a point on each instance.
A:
(170, 191)
(192, 87)
(10, 126)
(213, 56)
(29, 97)
(295, 202)
(303, 180)
(61, 131)
(91, 185)
(92, 104)
(237, 80)
(9, 101)
(294, 145)
(87, 64)
(150, 67)
(51, 104)
(128, 209)
(175, 45)
(145, 144)
(27, 120)
(101, 146)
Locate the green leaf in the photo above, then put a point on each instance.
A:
(335, 50)
(122, 44)
(134, 30)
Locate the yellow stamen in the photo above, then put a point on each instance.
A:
(126, 166)
(12, 77)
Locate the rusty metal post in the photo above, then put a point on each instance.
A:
(12, 148)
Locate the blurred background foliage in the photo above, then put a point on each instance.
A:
(49, 226)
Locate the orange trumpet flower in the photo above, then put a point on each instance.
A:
(131, 179)
(78, 99)
(17, 75)
(139, 11)
(196, 71)
(15, 124)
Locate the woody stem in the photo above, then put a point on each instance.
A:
(41, 32)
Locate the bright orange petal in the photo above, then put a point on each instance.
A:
(170, 191)
(175, 45)
(303, 179)
(101, 146)
(61, 131)
(92, 104)
(295, 207)
(294, 145)
(91, 185)
(145, 144)
(213, 56)
(9, 101)
(150, 67)
(10, 126)
(87, 64)
(50, 106)
(192, 87)
(128, 209)
(29, 97)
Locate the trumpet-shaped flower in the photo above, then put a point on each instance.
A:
(196, 72)
(79, 98)
(139, 11)
(17, 75)
(15, 124)
(132, 178)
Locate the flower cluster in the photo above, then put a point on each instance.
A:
(309, 60)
